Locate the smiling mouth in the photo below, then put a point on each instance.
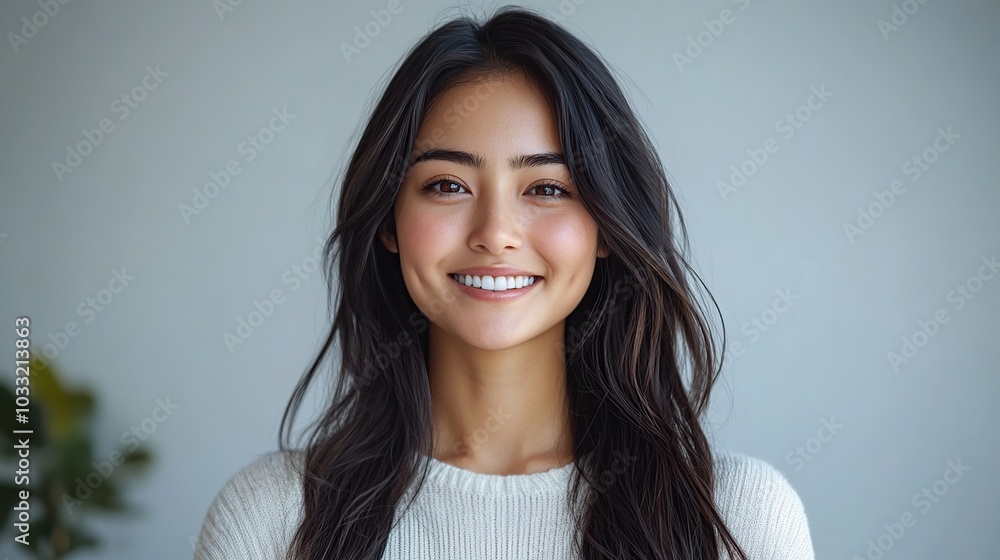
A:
(495, 284)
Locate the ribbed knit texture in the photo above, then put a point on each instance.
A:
(460, 514)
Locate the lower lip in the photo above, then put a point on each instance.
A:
(490, 295)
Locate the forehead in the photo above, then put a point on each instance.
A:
(495, 116)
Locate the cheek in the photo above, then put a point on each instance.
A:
(566, 240)
(424, 237)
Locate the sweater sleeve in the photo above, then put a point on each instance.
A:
(255, 514)
(762, 510)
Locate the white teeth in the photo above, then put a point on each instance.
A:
(496, 284)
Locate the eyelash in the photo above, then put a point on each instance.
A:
(429, 188)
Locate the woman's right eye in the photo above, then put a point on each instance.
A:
(450, 187)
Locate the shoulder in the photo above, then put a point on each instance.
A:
(761, 508)
(256, 512)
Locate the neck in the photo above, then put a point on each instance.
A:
(500, 411)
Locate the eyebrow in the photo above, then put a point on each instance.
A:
(479, 162)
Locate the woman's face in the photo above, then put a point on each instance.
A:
(479, 211)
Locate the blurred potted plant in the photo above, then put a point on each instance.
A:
(62, 470)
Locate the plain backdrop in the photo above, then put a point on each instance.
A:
(849, 260)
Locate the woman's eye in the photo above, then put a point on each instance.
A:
(550, 190)
(451, 187)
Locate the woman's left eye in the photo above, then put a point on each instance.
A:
(549, 190)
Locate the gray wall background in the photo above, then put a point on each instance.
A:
(823, 361)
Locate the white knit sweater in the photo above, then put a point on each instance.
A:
(460, 514)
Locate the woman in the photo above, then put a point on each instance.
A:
(514, 315)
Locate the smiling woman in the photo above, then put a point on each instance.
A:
(502, 195)
(494, 202)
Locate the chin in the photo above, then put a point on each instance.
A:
(494, 343)
(499, 338)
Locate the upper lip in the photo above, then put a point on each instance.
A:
(496, 270)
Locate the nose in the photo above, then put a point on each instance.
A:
(497, 222)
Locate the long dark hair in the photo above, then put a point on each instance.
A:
(626, 343)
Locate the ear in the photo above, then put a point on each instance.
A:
(387, 233)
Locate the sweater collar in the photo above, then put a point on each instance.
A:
(445, 474)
